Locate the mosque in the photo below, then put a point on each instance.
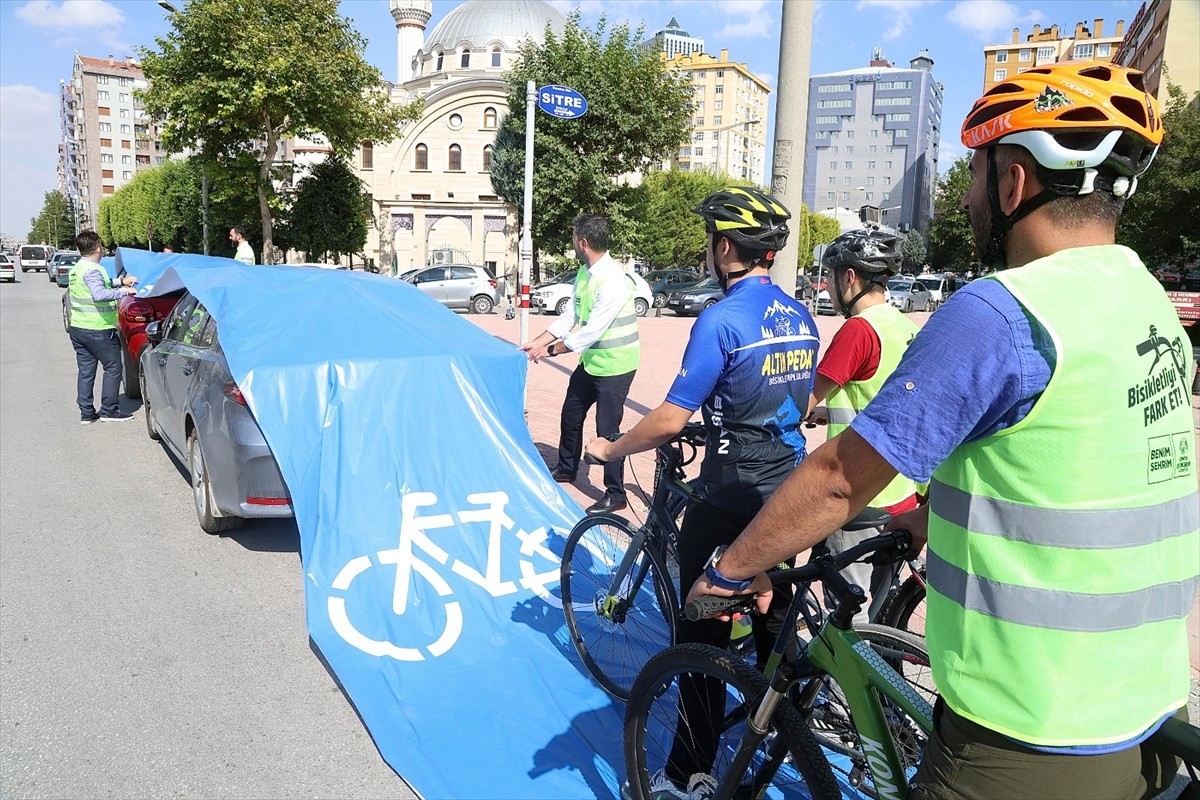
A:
(432, 185)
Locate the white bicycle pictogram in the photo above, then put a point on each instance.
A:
(489, 509)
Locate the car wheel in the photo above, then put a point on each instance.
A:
(202, 492)
(130, 377)
(931, 306)
(709, 304)
(640, 307)
(66, 303)
(907, 307)
(660, 300)
(560, 307)
(151, 431)
(482, 305)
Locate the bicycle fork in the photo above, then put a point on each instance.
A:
(757, 727)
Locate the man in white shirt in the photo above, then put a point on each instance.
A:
(245, 253)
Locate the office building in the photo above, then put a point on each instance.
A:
(729, 114)
(1001, 61)
(872, 141)
(674, 41)
(1164, 33)
(106, 136)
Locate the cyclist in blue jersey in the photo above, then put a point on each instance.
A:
(748, 368)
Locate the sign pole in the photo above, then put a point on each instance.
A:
(527, 221)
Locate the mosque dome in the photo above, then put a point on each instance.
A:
(483, 22)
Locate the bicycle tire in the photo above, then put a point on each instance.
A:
(652, 713)
(614, 650)
(902, 605)
(830, 720)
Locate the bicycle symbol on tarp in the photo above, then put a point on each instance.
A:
(489, 509)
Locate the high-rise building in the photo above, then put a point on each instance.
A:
(729, 115)
(1164, 32)
(674, 41)
(106, 136)
(872, 141)
(1001, 61)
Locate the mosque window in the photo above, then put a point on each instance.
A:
(489, 117)
(368, 155)
(455, 159)
(495, 56)
(465, 60)
(438, 65)
(487, 158)
(422, 162)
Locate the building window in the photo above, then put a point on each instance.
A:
(106, 158)
(870, 165)
(887, 181)
(102, 94)
(870, 195)
(845, 195)
(848, 164)
(717, 105)
(699, 151)
(104, 111)
(847, 103)
(126, 144)
(699, 121)
(902, 133)
(126, 175)
(438, 64)
(106, 142)
(831, 195)
(849, 134)
(1002, 58)
(846, 181)
(106, 173)
(849, 149)
(422, 159)
(893, 101)
(105, 127)
(1025, 55)
(123, 112)
(129, 159)
(454, 121)
(833, 165)
(125, 129)
(123, 97)
(833, 87)
(870, 180)
(1084, 51)
(833, 151)
(1103, 50)
(464, 60)
(102, 79)
(871, 150)
(125, 81)
(717, 120)
(487, 158)
(720, 73)
(720, 90)
(832, 181)
(368, 155)
(716, 135)
(827, 120)
(1045, 53)
(495, 56)
(904, 116)
(454, 158)
(489, 117)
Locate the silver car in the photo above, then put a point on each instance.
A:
(908, 294)
(194, 407)
(463, 286)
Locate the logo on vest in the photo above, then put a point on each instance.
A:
(1169, 457)
(1161, 392)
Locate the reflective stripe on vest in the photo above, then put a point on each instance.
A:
(1064, 551)
(87, 313)
(895, 331)
(618, 350)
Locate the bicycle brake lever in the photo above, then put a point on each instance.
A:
(588, 458)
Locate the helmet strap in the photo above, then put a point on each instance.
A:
(838, 272)
(994, 255)
(723, 277)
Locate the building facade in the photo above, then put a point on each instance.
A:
(872, 140)
(1164, 32)
(1001, 61)
(674, 41)
(106, 136)
(729, 117)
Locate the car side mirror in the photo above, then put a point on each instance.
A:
(154, 331)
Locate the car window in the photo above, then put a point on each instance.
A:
(462, 274)
(197, 322)
(430, 275)
(179, 315)
(918, 286)
(898, 286)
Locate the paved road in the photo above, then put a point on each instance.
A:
(139, 656)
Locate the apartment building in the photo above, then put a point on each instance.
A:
(872, 140)
(1002, 61)
(729, 117)
(674, 41)
(106, 136)
(1164, 32)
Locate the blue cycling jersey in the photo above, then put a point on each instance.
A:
(749, 365)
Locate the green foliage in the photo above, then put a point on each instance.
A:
(951, 242)
(812, 229)
(665, 231)
(55, 223)
(234, 77)
(1155, 221)
(912, 248)
(329, 214)
(637, 115)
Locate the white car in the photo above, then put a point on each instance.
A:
(940, 288)
(555, 296)
(908, 294)
(8, 270)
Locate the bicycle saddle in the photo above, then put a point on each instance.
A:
(869, 517)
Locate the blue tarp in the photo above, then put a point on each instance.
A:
(430, 530)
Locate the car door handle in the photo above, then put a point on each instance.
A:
(188, 369)
(162, 360)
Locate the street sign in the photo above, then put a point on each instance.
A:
(818, 253)
(561, 101)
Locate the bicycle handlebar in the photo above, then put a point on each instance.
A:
(692, 435)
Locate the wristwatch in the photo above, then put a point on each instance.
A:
(717, 579)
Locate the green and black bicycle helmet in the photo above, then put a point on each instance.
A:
(752, 219)
(870, 252)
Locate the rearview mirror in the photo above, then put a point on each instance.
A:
(154, 332)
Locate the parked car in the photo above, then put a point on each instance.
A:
(194, 407)
(59, 268)
(689, 301)
(664, 281)
(940, 288)
(8, 270)
(804, 288)
(134, 314)
(825, 303)
(908, 294)
(35, 257)
(463, 286)
(556, 295)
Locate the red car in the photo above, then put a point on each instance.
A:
(133, 315)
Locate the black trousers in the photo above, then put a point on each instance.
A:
(607, 393)
(92, 347)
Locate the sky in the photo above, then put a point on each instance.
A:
(38, 40)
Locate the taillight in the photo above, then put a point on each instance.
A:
(492, 283)
(268, 501)
(234, 393)
(140, 311)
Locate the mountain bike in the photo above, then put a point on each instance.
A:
(863, 694)
(618, 583)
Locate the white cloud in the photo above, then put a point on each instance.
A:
(901, 13)
(988, 19)
(70, 14)
(29, 137)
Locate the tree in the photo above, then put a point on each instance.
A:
(813, 229)
(55, 223)
(329, 214)
(1153, 223)
(235, 77)
(951, 240)
(913, 250)
(638, 114)
(665, 231)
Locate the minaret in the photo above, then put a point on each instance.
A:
(411, 18)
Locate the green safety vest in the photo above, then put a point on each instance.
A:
(1064, 551)
(895, 331)
(85, 312)
(618, 350)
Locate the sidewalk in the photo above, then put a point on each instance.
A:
(663, 341)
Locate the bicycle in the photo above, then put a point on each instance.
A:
(844, 691)
(615, 618)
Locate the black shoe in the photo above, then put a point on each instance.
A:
(562, 477)
(607, 505)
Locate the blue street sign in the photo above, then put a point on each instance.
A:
(561, 101)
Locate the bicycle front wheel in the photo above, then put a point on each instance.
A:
(617, 619)
(702, 736)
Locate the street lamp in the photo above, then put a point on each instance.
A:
(722, 129)
(168, 6)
